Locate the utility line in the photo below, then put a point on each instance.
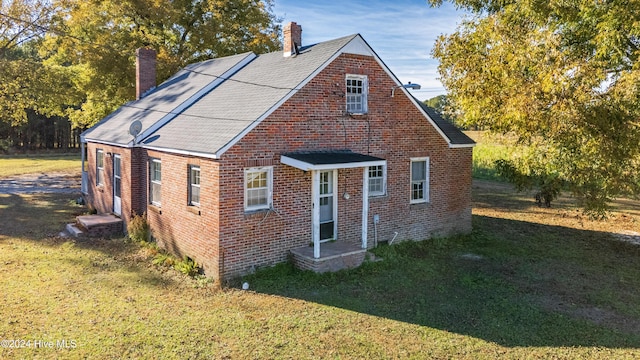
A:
(240, 81)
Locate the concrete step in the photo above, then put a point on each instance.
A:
(73, 230)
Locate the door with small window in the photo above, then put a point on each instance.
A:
(117, 185)
(328, 206)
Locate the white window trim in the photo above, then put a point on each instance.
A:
(365, 93)
(384, 182)
(268, 205)
(426, 186)
(99, 169)
(151, 181)
(191, 185)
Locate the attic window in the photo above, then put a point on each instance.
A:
(357, 89)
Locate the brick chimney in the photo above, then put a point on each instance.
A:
(292, 39)
(145, 71)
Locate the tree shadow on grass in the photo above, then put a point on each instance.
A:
(527, 285)
(39, 218)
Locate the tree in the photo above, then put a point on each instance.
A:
(441, 104)
(98, 38)
(28, 88)
(562, 76)
(438, 102)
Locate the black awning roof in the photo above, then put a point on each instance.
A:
(325, 160)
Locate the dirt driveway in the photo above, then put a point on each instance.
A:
(59, 183)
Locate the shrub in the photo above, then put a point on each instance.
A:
(138, 228)
(163, 259)
(548, 185)
(188, 267)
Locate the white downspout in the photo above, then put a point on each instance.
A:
(315, 213)
(83, 185)
(365, 205)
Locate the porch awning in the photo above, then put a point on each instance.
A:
(327, 160)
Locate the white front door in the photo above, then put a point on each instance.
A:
(328, 205)
(117, 185)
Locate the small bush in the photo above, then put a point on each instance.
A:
(138, 228)
(163, 259)
(548, 185)
(188, 267)
(201, 281)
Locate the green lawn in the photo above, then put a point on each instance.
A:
(528, 282)
(12, 165)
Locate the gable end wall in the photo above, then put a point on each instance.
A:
(314, 119)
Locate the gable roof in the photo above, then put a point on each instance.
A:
(456, 137)
(162, 102)
(207, 107)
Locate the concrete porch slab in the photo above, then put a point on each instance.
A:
(334, 256)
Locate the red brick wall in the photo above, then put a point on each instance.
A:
(100, 197)
(181, 229)
(177, 227)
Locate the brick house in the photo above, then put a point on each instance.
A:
(318, 150)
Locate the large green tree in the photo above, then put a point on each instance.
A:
(25, 82)
(560, 75)
(98, 39)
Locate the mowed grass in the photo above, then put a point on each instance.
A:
(528, 282)
(13, 165)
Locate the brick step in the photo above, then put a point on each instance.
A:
(333, 257)
(100, 225)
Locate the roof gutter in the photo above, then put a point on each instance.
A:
(183, 152)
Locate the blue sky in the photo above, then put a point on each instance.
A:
(402, 32)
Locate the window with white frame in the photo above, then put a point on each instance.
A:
(258, 184)
(99, 167)
(356, 95)
(420, 180)
(155, 182)
(377, 180)
(194, 185)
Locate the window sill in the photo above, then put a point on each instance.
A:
(253, 212)
(420, 205)
(381, 196)
(155, 208)
(194, 210)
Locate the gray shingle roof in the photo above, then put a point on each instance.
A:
(159, 102)
(455, 135)
(207, 106)
(224, 114)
